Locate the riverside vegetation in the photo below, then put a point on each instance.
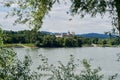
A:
(33, 12)
(39, 39)
(13, 69)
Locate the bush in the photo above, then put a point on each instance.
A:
(14, 69)
(68, 71)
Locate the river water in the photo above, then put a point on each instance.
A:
(104, 57)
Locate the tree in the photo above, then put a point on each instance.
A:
(14, 69)
(60, 41)
(49, 41)
(80, 42)
(34, 11)
(31, 12)
(70, 42)
(94, 7)
(95, 40)
(115, 41)
(1, 40)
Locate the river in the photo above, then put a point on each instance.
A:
(104, 57)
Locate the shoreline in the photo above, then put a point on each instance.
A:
(19, 45)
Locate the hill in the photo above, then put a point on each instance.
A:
(94, 35)
(88, 35)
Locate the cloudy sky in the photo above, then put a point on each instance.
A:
(58, 21)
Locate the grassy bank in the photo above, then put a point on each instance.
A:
(18, 45)
(30, 45)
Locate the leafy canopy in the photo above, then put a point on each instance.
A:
(1, 40)
(94, 7)
(31, 12)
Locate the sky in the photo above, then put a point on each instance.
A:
(58, 21)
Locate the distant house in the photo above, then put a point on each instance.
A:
(58, 35)
(68, 34)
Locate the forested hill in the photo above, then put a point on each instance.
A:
(87, 35)
(96, 35)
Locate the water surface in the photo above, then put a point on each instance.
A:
(104, 57)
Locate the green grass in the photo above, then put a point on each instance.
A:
(19, 45)
(29, 45)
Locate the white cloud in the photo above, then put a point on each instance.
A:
(7, 24)
(59, 22)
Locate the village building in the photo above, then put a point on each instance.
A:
(68, 34)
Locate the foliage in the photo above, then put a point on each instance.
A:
(1, 38)
(52, 41)
(95, 40)
(11, 38)
(40, 40)
(94, 7)
(67, 72)
(116, 41)
(49, 41)
(31, 12)
(70, 42)
(72, 70)
(13, 69)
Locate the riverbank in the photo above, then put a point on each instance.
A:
(99, 45)
(19, 45)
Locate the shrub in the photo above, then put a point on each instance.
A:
(14, 69)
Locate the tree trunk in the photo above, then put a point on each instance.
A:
(118, 14)
(119, 26)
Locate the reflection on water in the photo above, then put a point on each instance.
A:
(106, 58)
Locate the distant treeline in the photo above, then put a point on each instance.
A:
(46, 40)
